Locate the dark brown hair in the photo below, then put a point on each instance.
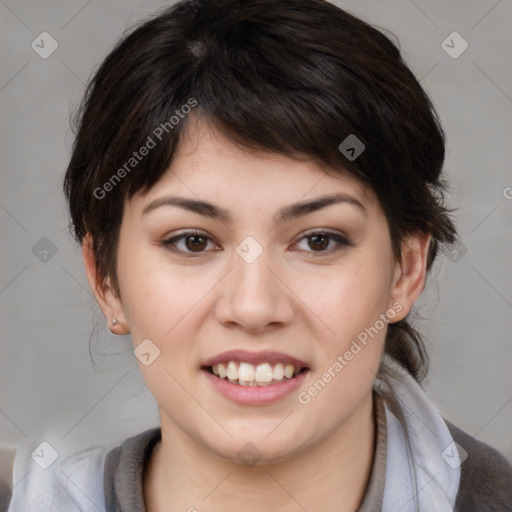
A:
(295, 77)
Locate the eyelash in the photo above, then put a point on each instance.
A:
(340, 239)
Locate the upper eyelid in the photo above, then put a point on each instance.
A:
(301, 236)
(189, 233)
(168, 240)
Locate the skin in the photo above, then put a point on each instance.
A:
(293, 298)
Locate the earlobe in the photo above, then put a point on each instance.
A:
(106, 297)
(410, 274)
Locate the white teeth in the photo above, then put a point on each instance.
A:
(288, 371)
(232, 370)
(248, 374)
(279, 371)
(263, 373)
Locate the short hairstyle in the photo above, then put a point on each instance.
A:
(294, 77)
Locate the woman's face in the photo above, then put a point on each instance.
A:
(289, 265)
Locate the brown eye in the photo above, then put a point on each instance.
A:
(318, 242)
(196, 243)
(190, 243)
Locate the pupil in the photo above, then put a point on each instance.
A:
(319, 241)
(198, 242)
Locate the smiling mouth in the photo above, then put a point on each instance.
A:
(247, 374)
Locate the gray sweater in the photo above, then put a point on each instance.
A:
(485, 486)
(113, 481)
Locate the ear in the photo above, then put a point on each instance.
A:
(410, 275)
(104, 293)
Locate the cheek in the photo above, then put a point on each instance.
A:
(160, 305)
(351, 303)
(349, 298)
(155, 298)
(166, 305)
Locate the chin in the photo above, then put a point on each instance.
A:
(247, 450)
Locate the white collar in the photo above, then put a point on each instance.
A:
(422, 462)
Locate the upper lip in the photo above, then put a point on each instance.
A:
(244, 356)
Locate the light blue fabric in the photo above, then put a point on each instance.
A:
(74, 484)
(417, 477)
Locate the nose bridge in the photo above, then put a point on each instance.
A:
(251, 274)
(254, 297)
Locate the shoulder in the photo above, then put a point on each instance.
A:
(131, 454)
(45, 480)
(486, 476)
(124, 471)
(80, 480)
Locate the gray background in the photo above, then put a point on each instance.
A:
(48, 387)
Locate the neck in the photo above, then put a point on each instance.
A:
(331, 476)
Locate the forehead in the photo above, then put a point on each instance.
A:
(207, 164)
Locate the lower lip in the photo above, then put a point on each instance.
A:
(255, 395)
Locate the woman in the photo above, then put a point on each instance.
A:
(257, 190)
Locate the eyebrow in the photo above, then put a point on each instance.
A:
(284, 214)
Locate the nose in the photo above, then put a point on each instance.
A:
(254, 296)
